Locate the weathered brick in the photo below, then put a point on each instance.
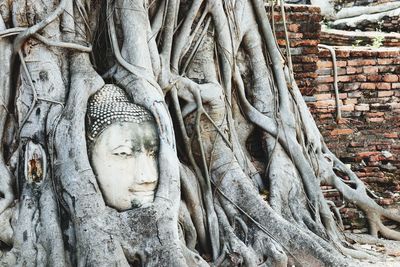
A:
(360, 78)
(324, 64)
(347, 107)
(390, 53)
(368, 86)
(391, 135)
(356, 94)
(324, 87)
(371, 69)
(375, 119)
(350, 101)
(351, 70)
(293, 27)
(385, 93)
(325, 103)
(351, 86)
(374, 78)
(324, 79)
(383, 86)
(345, 78)
(385, 61)
(390, 78)
(375, 114)
(341, 131)
(361, 62)
(362, 107)
(323, 96)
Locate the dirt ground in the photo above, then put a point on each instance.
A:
(384, 253)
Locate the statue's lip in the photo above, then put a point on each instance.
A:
(143, 188)
(142, 192)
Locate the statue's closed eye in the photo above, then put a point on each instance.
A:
(122, 151)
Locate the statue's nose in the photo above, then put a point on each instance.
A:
(148, 170)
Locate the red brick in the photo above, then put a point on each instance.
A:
(391, 135)
(324, 64)
(362, 107)
(383, 86)
(385, 93)
(375, 119)
(350, 101)
(360, 78)
(367, 154)
(325, 103)
(351, 70)
(293, 27)
(323, 96)
(385, 61)
(347, 107)
(371, 69)
(325, 116)
(374, 78)
(344, 78)
(395, 85)
(361, 62)
(356, 144)
(390, 78)
(368, 86)
(391, 53)
(324, 87)
(342, 53)
(341, 131)
(375, 114)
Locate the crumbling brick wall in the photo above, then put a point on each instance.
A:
(369, 86)
(350, 3)
(368, 136)
(387, 24)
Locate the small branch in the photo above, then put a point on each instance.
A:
(34, 92)
(11, 31)
(67, 45)
(288, 53)
(335, 80)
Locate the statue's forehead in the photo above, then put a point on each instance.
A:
(129, 133)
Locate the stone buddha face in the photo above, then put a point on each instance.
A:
(123, 148)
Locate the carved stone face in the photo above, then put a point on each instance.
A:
(125, 160)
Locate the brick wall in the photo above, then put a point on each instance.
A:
(304, 28)
(351, 38)
(368, 136)
(370, 97)
(386, 24)
(350, 3)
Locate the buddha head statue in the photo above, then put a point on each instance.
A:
(123, 147)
